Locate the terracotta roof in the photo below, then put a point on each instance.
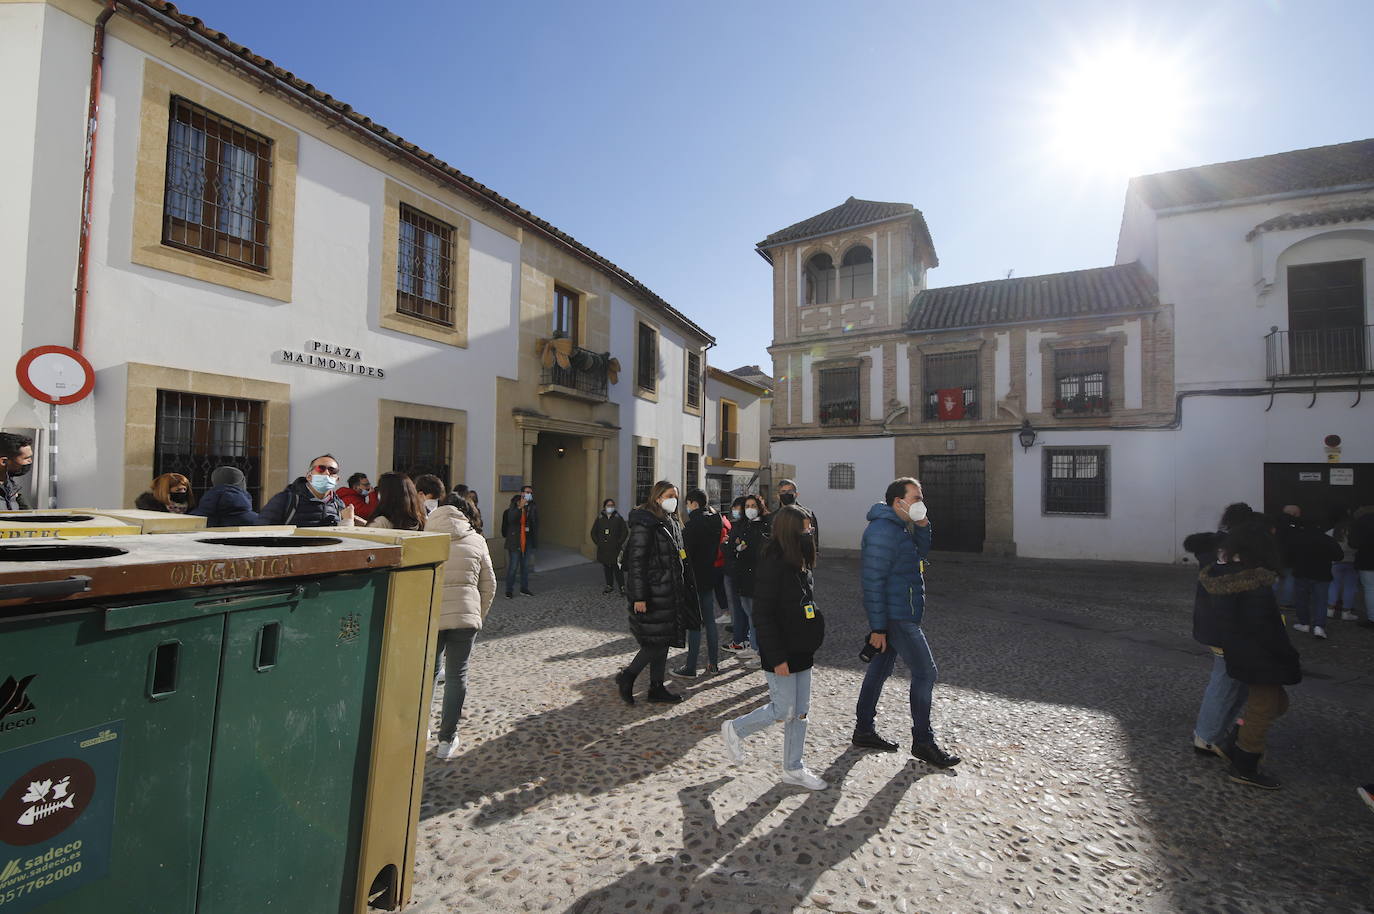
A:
(1331, 215)
(852, 212)
(1054, 296)
(1314, 169)
(754, 375)
(168, 16)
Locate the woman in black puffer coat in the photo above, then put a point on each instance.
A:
(1240, 588)
(663, 602)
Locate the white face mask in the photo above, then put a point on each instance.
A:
(609, 511)
(528, 496)
(751, 513)
(917, 511)
(669, 505)
(431, 504)
(734, 513)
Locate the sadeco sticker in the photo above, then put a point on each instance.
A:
(56, 815)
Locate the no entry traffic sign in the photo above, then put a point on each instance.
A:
(55, 375)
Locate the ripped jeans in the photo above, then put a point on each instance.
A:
(791, 701)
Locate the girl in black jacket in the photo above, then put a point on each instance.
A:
(747, 538)
(790, 630)
(609, 532)
(663, 602)
(1240, 587)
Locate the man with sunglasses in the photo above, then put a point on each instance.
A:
(311, 501)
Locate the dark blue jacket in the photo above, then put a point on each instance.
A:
(226, 506)
(893, 585)
(296, 505)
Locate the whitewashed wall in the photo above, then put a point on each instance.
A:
(841, 512)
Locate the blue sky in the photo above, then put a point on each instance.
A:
(671, 137)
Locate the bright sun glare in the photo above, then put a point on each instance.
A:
(1118, 110)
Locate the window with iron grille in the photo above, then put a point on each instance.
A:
(219, 180)
(566, 313)
(841, 476)
(856, 274)
(691, 470)
(196, 433)
(839, 396)
(424, 267)
(693, 380)
(1080, 382)
(1076, 481)
(644, 473)
(419, 446)
(646, 369)
(951, 385)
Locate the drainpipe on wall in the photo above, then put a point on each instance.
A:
(701, 460)
(83, 249)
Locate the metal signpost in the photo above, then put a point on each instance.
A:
(55, 375)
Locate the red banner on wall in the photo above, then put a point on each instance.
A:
(951, 403)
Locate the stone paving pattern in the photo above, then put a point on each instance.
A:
(1070, 690)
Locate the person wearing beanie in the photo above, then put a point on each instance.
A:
(227, 503)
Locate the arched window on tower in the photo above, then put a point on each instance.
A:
(856, 274)
(820, 280)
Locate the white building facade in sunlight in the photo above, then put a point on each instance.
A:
(271, 275)
(1102, 413)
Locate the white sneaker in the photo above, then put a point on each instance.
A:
(1319, 632)
(747, 654)
(429, 734)
(734, 746)
(1299, 627)
(802, 777)
(723, 618)
(447, 751)
(1348, 616)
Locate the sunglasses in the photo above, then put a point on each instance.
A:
(331, 471)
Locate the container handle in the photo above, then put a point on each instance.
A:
(164, 668)
(293, 595)
(269, 642)
(32, 590)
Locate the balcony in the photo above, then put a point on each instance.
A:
(1096, 404)
(970, 410)
(585, 378)
(1337, 352)
(840, 412)
(728, 446)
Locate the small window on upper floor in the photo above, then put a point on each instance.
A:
(856, 274)
(951, 386)
(567, 306)
(424, 267)
(820, 280)
(219, 176)
(1080, 382)
(646, 359)
(693, 380)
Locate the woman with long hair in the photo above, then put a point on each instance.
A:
(170, 493)
(399, 504)
(659, 585)
(790, 630)
(469, 589)
(747, 538)
(476, 512)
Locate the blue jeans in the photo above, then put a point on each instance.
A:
(1309, 600)
(708, 621)
(1367, 585)
(1345, 581)
(1283, 587)
(904, 639)
(744, 621)
(791, 701)
(1221, 703)
(456, 646)
(525, 560)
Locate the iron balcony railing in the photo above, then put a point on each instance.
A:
(1333, 352)
(729, 446)
(586, 374)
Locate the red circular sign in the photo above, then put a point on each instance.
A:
(45, 801)
(55, 374)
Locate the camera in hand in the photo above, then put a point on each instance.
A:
(868, 652)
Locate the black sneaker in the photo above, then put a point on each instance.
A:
(661, 695)
(1245, 770)
(528, 593)
(509, 595)
(932, 754)
(871, 741)
(683, 673)
(607, 590)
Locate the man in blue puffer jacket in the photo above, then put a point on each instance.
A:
(895, 545)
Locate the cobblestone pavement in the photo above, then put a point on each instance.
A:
(1069, 688)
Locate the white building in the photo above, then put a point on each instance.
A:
(1101, 413)
(272, 275)
(739, 411)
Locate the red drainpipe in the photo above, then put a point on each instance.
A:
(83, 250)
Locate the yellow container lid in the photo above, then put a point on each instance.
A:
(62, 524)
(150, 521)
(417, 547)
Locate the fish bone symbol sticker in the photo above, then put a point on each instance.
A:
(46, 801)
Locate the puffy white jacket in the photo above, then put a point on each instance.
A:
(469, 581)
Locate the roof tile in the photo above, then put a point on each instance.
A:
(1330, 215)
(848, 214)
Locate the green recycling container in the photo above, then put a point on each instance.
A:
(187, 722)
